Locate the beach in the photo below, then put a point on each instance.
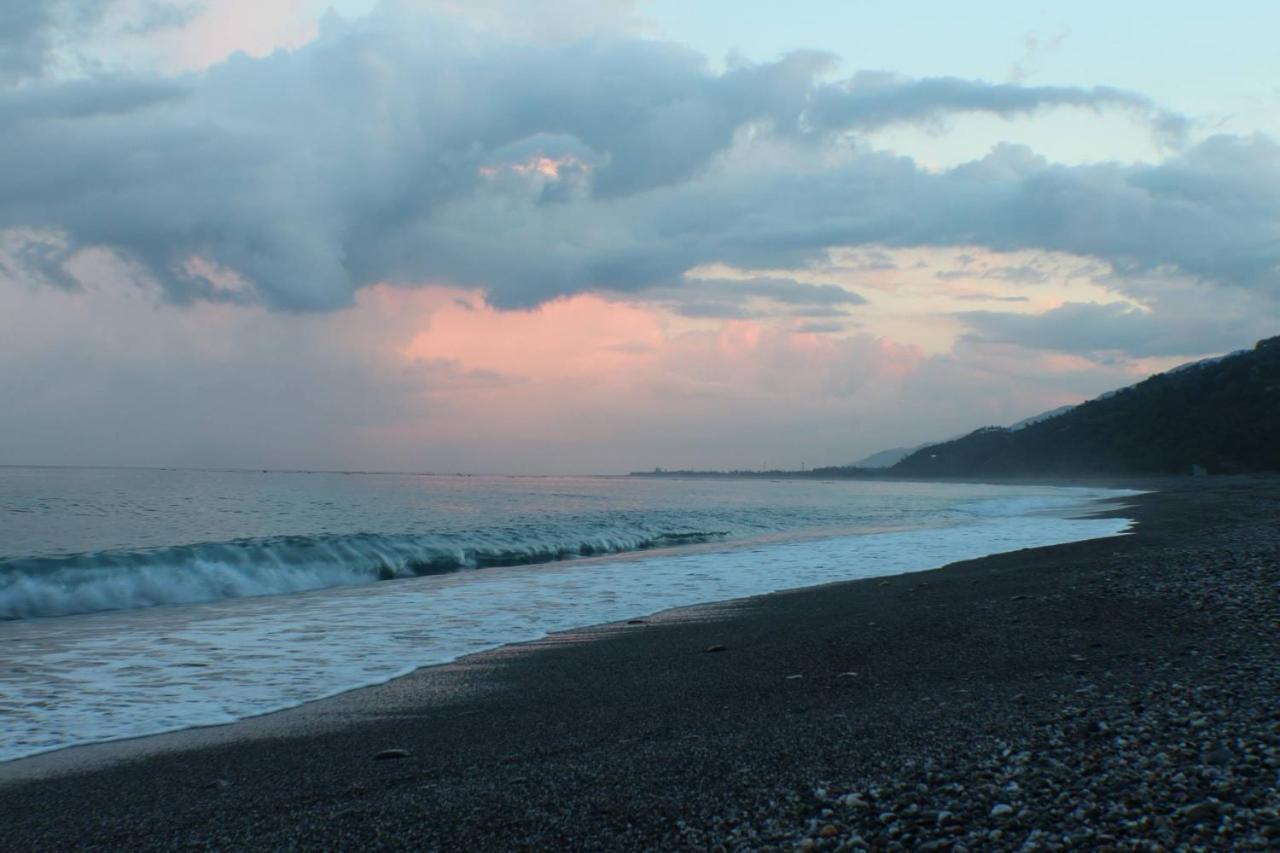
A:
(1120, 692)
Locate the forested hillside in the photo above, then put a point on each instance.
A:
(1221, 416)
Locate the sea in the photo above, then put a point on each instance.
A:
(139, 601)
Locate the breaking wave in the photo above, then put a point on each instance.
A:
(212, 571)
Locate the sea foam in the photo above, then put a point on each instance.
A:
(212, 571)
(117, 675)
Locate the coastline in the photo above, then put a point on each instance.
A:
(613, 742)
(216, 663)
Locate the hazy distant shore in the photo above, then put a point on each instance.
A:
(1102, 481)
(1096, 692)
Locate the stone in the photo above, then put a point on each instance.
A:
(715, 648)
(1001, 810)
(391, 754)
(1220, 756)
(829, 831)
(1200, 811)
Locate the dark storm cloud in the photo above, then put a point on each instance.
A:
(392, 150)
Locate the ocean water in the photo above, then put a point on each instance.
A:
(140, 601)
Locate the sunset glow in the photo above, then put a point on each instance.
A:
(401, 400)
(486, 237)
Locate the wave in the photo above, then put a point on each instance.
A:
(213, 571)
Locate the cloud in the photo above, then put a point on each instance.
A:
(1210, 213)
(1030, 273)
(36, 34)
(107, 375)
(30, 31)
(437, 379)
(980, 383)
(1034, 48)
(871, 100)
(556, 23)
(387, 150)
(778, 289)
(988, 297)
(39, 261)
(1095, 328)
(820, 328)
(698, 296)
(85, 99)
(156, 16)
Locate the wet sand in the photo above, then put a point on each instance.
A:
(1112, 682)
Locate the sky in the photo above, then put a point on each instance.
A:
(593, 236)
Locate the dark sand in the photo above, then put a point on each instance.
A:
(1117, 692)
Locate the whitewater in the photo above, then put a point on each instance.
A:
(135, 602)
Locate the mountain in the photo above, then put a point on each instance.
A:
(894, 455)
(1220, 415)
(1035, 419)
(887, 458)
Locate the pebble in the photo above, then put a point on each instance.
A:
(391, 754)
(1200, 811)
(1156, 748)
(1220, 756)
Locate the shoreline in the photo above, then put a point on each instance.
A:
(728, 571)
(643, 722)
(460, 679)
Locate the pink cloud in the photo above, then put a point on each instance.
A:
(436, 379)
(581, 338)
